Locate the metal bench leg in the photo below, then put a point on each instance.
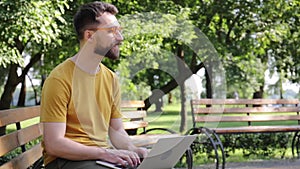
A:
(189, 158)
(215, 142)
(296, 144)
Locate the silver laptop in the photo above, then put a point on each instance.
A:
(164, 154)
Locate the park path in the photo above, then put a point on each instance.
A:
(263, 164)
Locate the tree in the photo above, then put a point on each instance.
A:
(284, 42)
(244, 34)
(28, 27)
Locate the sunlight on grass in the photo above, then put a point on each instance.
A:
(12, 127)
(170, 117)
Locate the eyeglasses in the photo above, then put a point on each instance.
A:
(115, 30)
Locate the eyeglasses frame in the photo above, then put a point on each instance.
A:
(113, 29)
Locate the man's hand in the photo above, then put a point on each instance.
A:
(142, 152)
(122, 142)
(123, 157)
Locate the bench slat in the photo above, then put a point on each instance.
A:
(244, 101)
(134, 124)
(133, 118)
(24, 160)
(134, 114)
(215, 110)
(246, 118)
(11, 116)
(132, 104)
(20, 137)
(30, 133)
(8, 142)
(256, 129)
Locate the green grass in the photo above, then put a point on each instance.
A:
(12, 127)
(170, 118)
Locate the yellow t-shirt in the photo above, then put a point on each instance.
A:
(85, 102)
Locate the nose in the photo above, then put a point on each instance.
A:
(119, 36)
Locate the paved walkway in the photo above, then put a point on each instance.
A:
(264, 164)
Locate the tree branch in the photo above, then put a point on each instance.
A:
(33, 60)
(172, 85)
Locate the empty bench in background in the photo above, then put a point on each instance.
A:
(18, 142)
(237, 116)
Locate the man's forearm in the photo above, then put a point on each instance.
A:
(69, 149)
(56, 144)
(121, 140)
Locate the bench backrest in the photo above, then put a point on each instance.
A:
(133, 114)
(19, 138)
(245, 112)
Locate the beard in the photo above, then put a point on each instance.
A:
(111, 53)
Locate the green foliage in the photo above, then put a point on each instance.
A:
(28, 30)
(243, 33)
(246, 35)
(28, 26)
(259, 145)
(240, 147)
(146, 50)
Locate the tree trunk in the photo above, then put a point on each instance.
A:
(35, 92)
(9, 88)
(170, 99)
(182, 67)
(259, 94)
(22, 95)
(280, 84)
(183, 112)
(208, 84)
(170, 86)
(158, 105)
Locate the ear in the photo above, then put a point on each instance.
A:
(88, 35)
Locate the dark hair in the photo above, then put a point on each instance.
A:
(86, 15)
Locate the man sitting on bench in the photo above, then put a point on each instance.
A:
(81, 99)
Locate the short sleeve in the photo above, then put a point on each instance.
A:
(54, 101)
(116, 112)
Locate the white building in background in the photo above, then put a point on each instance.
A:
(291, 90)
(194, 86)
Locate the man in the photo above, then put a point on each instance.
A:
(81, 98)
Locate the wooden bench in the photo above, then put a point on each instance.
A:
(18, 141)
(134, 119)
(237, 116)
(133, 116)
